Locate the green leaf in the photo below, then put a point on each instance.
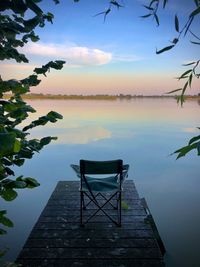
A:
(153, 1)
(195, 12)
(173, 91)
(196, 43)
(2, 212)
(2, 232)
(5, 221)
(146, 16)
(185, 73)
(194, 139)
(196, 2)
(49, 16)
(188, 64)
(7, 142)
(25, 153)
(54, 114)
(42, 70)
(6, 161)
(164, 49)
(125, 205)
(31, 23)
(18, 6)
(58, 64)
(176, 23)
(175, 40)
(18, 162)
(9, 171)
(32, 80)
(164, 3)
(8, 194)
(181, 99)
(46, 140)
(31, 182)
(17, 146)
(18, 184)
(184, 150)
(157, 19)
(190, 80)
(9, 106)
(198, 148)
(184, 88)
(148, 7)
(34, 7)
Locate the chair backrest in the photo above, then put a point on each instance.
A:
(101, 167)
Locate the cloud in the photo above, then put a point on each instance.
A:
(83, 135)
(74, 55)
(75, 135)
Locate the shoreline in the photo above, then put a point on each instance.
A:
(98, 97)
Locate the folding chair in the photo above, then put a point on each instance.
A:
(106, 188)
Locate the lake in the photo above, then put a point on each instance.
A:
(143, 132)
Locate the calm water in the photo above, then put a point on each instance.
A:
(143, 132)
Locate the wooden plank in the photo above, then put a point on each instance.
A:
(58, 240)
(94, 243)
(93, 262)
(88, 252)
(61, 225)
(92, 233)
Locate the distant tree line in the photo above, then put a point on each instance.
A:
(97, 96)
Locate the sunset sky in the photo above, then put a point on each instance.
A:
(111, 57)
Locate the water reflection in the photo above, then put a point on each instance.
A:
(143, 132)
(191, 130)
(82, 135)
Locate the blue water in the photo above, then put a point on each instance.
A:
(143, 132)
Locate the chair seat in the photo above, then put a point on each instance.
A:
(101, 184)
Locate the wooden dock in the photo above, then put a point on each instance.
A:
(58, 240)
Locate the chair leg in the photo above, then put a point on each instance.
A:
(81, 208)
(120, 210)
(84, 206)
(100, 208)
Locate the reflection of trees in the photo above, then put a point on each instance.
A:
(198, 101)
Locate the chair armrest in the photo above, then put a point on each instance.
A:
(125, 169)
(76, 168)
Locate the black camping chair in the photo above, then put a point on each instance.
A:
(106, 188)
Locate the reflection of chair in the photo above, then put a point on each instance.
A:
(106, 188)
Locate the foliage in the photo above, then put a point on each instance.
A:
(153, 9)
(16, 145)
(190, 73)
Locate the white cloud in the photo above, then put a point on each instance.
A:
(74, 134)
(74, 55)
(83, 135)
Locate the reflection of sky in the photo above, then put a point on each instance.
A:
(78, 135)
(143, 132)
(88, 121)
(191, 130)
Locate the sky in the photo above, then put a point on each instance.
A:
(114, 56)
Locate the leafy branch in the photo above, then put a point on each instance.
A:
(191, 73)
(15, 146)
(112, 3)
